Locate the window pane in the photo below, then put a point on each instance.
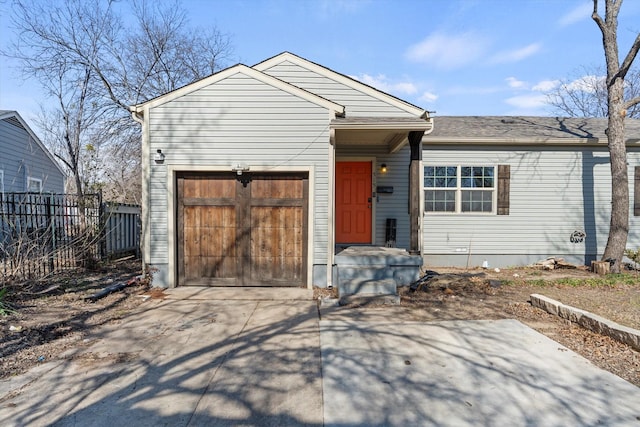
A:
(440, 201)
(440, 176)
(477, 201)
(477, 177)
(34, 185)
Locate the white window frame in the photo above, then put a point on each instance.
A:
(31, 180)
(459, 189)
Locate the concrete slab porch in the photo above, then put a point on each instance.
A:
(372, 271)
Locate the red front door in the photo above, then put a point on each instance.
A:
(353, 202)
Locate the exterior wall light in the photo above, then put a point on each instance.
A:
(239, 168)
(159, 156)
(383, 168)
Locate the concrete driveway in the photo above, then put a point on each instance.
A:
(263, 357)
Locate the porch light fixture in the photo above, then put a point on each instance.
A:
(159, 156)
(383, 168)
(239, 168)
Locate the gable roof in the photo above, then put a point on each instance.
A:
(343, 79)
(525, 130)
(239, 69)
(14, 118)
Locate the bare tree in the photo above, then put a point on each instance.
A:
(585, 94)
(56, 46)
(617, 110)
(95, 67)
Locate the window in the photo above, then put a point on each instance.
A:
(34, 185)
(459, 189)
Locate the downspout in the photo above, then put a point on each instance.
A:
(331, 210)
(138, 117)
(426, 115)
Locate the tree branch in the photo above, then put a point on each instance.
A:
(630, 103)
(597, 17)
(628, 60)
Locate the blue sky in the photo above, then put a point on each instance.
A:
(454, 57)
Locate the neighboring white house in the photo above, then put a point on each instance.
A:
(25, 163)
(260, 175)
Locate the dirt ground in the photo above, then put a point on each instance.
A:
(53, 316)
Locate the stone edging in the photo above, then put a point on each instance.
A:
(588, 320)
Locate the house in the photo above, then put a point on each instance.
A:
(256, 175)
(515, 190)
(288, 173)
(25, 163)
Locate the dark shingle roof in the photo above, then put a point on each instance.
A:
(525, 128)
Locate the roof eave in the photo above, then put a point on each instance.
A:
(342, 78)
(512, 141)
(400, 126)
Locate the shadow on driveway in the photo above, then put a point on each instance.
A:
(215, 359)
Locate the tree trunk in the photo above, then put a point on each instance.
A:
(619, 222)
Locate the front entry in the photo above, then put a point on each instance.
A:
(248, 230)
(353, 202)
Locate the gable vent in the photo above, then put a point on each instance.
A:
(14, 121)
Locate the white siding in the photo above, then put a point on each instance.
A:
(238, 120)
(357, 103)
(554, 192)
(22, 157)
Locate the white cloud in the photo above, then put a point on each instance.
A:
(448, 50)
(515, 83)
(587, 83)
(428, 97)
(546, 85)
(528, 102)
(382, 83)
(577, 14)
(516, 54)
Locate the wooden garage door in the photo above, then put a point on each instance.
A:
(248, 230)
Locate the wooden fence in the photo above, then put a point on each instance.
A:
(41, 234)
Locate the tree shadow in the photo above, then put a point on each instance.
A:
(274, 363)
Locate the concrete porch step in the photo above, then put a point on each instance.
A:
(367, 286)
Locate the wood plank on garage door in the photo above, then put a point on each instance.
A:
(207, 229)
(278, 250)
